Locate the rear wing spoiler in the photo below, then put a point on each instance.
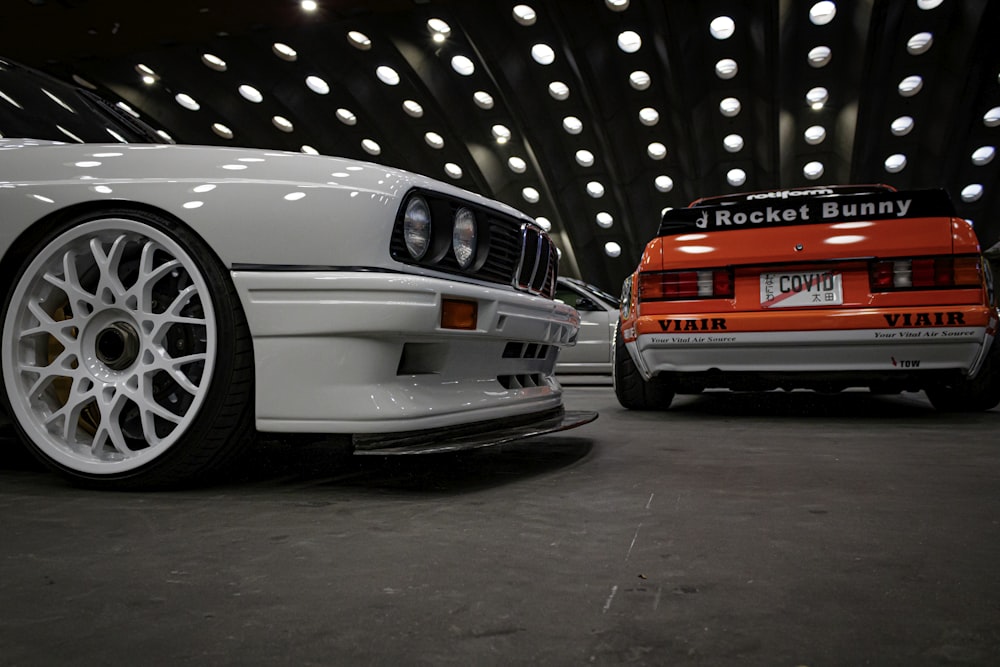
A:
(808, 209)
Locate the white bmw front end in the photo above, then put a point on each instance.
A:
(328, 296)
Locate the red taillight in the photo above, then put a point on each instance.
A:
(924, 273)
(699, 284)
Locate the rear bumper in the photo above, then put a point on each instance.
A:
(866, 353)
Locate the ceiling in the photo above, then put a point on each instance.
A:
(651, 120)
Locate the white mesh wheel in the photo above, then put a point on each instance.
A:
(110, 342)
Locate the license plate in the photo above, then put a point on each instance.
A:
(801, 289)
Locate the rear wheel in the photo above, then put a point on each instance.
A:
(633, 391)
(126, 357)
(976, 395)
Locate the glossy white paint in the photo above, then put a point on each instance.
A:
(329, 341)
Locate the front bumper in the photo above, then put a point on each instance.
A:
(363, 352)
(473, 436)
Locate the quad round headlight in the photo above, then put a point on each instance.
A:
(417, 227)
(463, 237)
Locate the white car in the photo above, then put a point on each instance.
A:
(163, 303)
(591, 356)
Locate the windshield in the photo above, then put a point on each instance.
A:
(36, 106)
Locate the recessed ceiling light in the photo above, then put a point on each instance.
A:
(346, 116)
(544, 223)
(813, 170)
(371, 146)
(819, 56)
(530, 195)
(605, 220)
(656, 150)
(213, 62)
(558, 90)
(308, 150)
(524, 15)
(983, 155)
(629, 41)
(453, 170)
(501, 133)
(726, 68)
(359, 40)
(439, 29)
(663, 183)
(736, 177)
(992, 117)
(920, 43)
(815, 134)
(733, 143)
(413, 109)
(585, 158)
(595, 189)
(284, 51)
(572, 125)
(282, 123)
(911, 85)
(822, 12)
(617, 5)
(387, 75)
(543, 54)
(895, 163)
(928, 4)
(817, 97)
(639, 80)
(222, 130)
(972, 192)
(317, 85)
(517, 164)
(434, 140)
(309, 5)
(902, 126)
(730, 107)
(251, 94)
(187, 101)
(463, 65)
(483, 99)
(649, 116)
(722, 27)
(612, 249)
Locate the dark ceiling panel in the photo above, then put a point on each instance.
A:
(103, 41)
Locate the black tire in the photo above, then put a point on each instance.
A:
(979, 394)
(128, 334)
(632, 390)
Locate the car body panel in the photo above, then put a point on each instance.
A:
(591, 355)
(334, 318)
(251, 206)
(802, 301)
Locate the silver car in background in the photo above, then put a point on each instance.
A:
(590, 359)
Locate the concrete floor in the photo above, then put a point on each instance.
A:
(772, 530)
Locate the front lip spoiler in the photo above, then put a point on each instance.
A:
(473, 436)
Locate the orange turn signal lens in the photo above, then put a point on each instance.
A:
(459, 314)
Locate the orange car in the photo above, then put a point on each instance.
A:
(824, 288)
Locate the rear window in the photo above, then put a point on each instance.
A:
(779, 211)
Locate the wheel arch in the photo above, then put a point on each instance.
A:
(228, 411)
(34, 232)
